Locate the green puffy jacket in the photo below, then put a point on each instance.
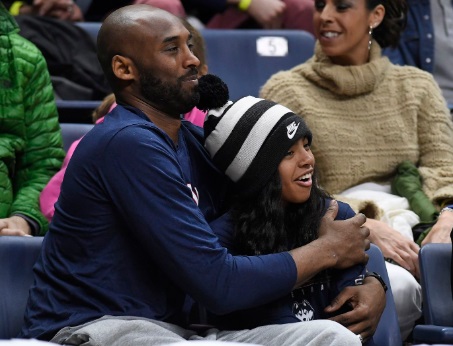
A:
(31, 150)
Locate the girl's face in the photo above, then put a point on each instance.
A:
(342, 28)
(296, 170)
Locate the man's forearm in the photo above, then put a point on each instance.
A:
(311, 259)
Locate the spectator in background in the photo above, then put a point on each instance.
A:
(427, 42)
(368, 116)
(61, 9)
(31, 149)
(246, 14)
(89, 10)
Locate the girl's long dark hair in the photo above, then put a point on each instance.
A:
(264, 224)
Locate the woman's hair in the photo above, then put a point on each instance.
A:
(265, 224)
(103, 108)
(199, 47)
(387, 34)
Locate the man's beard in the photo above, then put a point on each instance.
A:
(169, 98)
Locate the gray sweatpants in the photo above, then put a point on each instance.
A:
(134, 331)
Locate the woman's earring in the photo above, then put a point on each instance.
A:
(370, 32)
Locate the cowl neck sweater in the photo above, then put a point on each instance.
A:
(345, 80)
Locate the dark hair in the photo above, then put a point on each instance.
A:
(199, 47)
(264, 224)
(387, 34)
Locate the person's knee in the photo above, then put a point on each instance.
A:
(341, 335)
(327, 332)
(404, 285)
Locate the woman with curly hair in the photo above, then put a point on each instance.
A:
(369, 117)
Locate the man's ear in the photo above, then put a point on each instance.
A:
(122, 68)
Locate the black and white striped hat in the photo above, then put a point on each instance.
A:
(247, 140)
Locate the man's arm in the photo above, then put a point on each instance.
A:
(161, 212)
(159, 208)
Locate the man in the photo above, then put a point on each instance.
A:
(130, 238)
(31, 148)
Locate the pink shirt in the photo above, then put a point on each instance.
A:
(195, 116)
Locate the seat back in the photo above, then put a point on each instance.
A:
(388, 331)
(435, 272)
(17, 257)
(72, 132)
(84, 5)
(92, 28)
(76, 111)
(246, 59)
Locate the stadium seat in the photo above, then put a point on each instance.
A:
(91, 28)
(72, 111)
(17, 257)
(435, 272)
(388, 331)
(76, 111)
(72, 132)
(245, 59)
(84, 5)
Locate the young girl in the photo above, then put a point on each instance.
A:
(276, 204)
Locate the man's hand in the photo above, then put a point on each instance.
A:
(341, 244)
(395, 246)
(440, 233)
(268, 13)
(367, 302)
(351, 234)
(14, 225)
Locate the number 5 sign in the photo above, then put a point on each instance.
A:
(272, 46)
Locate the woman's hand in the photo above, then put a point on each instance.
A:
(395, 246)
(440, 233)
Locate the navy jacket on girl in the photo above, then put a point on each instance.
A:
(303, 304)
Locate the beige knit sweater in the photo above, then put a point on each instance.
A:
(367, 119)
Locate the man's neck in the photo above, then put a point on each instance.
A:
(170, 124)
(166, 123)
